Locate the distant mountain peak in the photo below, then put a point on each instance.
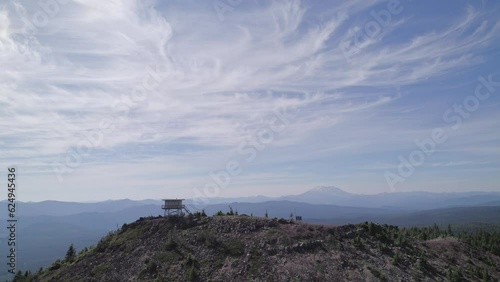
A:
(331, 190)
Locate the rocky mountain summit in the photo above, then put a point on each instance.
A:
(244, 248)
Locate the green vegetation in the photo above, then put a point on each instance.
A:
(256, 264)
(358, 243)
(55, 265)
(377, 273)
(488, 241)
(192, 267)
(234, 247)
(70, 254)
(485, 240)
(230, 212)
(150, 270)
(395, 259)
(208, 238)
(100, 269)
(454, 275)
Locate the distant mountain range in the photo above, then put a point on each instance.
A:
(321, 195)
(330, 195)
(46, 229)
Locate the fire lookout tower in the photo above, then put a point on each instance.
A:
(174, 207)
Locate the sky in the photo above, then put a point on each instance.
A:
(197, 99)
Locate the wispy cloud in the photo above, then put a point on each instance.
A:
(218, 80)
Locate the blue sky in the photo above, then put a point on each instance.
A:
(145, 99)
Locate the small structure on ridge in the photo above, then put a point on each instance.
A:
(173, 207)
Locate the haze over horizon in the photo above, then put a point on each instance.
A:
(189, 99)
(198, 204)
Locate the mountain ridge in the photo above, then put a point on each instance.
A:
(316, 195)
(233, 248)
(58, 232)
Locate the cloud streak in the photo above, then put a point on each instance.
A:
(219, 81)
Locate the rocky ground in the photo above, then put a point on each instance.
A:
(237, 248)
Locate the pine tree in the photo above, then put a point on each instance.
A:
(70, 254)
(230, 212)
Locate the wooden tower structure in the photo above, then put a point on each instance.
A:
(174, 207)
